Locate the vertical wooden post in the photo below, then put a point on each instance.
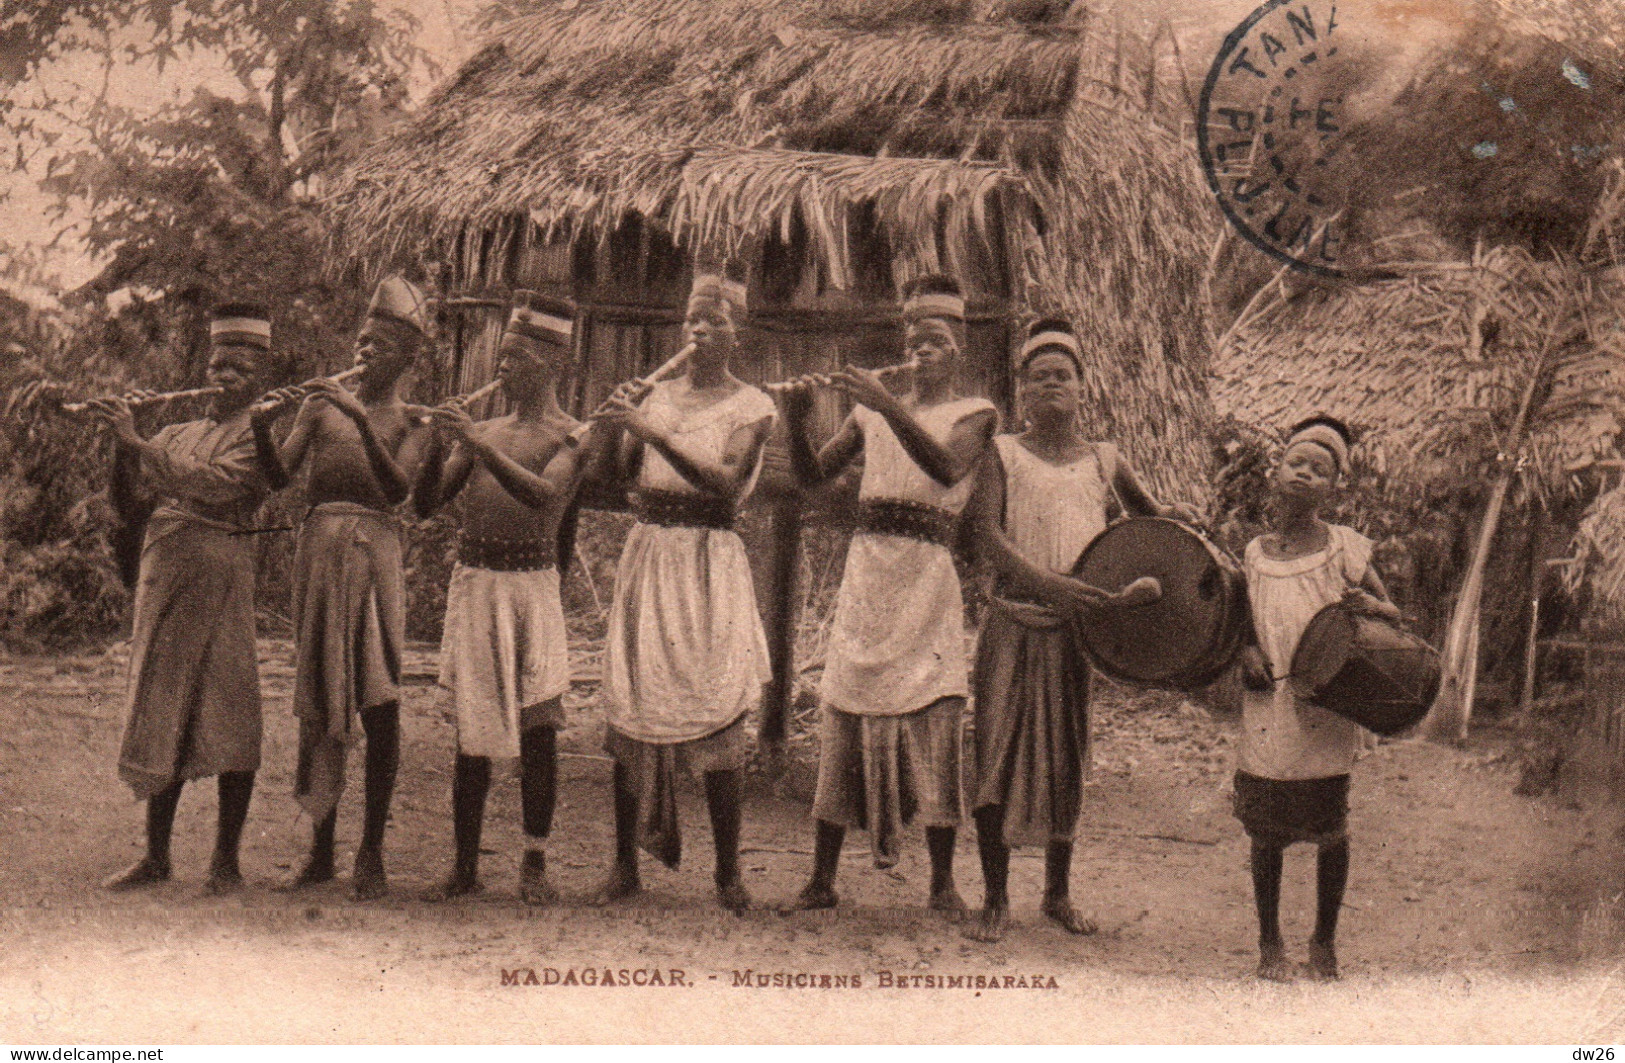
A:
(783, 613)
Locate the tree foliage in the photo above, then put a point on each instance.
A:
(215, 194)
(185, 200)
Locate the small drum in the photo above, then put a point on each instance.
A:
(1185, 640)
(1365, 669)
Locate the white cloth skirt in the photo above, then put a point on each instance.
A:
(685, 654)
(503, 651)
(897, 643)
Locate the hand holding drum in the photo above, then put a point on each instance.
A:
(1191, 613)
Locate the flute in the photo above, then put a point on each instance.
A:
(672, 367)
(490, 388)
(302, 391)
(136, 399)
(824, 380)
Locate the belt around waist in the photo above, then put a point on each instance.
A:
(909, 520)
(506, 555)
(674, 509)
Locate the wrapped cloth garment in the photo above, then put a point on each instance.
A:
(685, 655)
(193, 694)
(654, 769)
(1031, 676)
(882, 773)
(1032, 721)
(350, 624)
(1282, 736)
(1283, 811)
(502, 656)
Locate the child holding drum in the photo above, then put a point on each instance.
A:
(1292, 773)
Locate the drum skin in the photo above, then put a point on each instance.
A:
(1186, 640)
(1366, 669)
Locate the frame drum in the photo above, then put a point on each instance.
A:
(1366, 669)
(1182, 642)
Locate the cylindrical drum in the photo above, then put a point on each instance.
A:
(1186, 639)
(1366, 669)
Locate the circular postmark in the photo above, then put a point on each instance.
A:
(1269, 128)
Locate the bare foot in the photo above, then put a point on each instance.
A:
(456, 885)
(989, 929)
(317, 870)
(223, 878)
(367, 881)
(947, 900)
(733, 896)
(814, 897)
(1322, 965)
(534, 888)
(144, 872)
(1272, 965)
(622, 883)
(1073, 921)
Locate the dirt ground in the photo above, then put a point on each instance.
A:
(1474, 915)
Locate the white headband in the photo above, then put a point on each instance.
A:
(540, 325)
(935, 304)
(716, 286)
(1064, 340)
(1323, 435)
(251, 328)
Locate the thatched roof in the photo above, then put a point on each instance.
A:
(1427, 368)
(580, 111)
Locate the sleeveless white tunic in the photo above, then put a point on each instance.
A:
(685, 654)
(1283, 737)
(897, 642)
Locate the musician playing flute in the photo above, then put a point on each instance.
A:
(1294, 760)
(193, 701)
(1041, 497)
(504, 664)
(362, 451)
(895, 680)
(686, 657)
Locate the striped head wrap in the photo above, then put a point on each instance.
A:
(240, 323)
(934, 296)
(1051, 334)
(398, 299)
(730, 293)
(1325, 436)
(544, 320)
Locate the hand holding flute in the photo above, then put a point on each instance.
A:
(271, 404)
(623, 400)
(452, 415)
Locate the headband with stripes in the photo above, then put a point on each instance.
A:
(716, 286)
(935, 304)
(250, 330)
(540, 325)
(1323, 435)
(1064, 340)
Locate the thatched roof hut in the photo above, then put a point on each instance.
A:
(1425, 368)
(835, 149)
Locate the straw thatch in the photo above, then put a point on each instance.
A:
(1428, 368)
(954, 126)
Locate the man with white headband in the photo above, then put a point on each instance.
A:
(1294, 760)
(895, 680)
(194, 698)
(349, 601)
(504, 663)
(1041, 497)
(685, 657)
